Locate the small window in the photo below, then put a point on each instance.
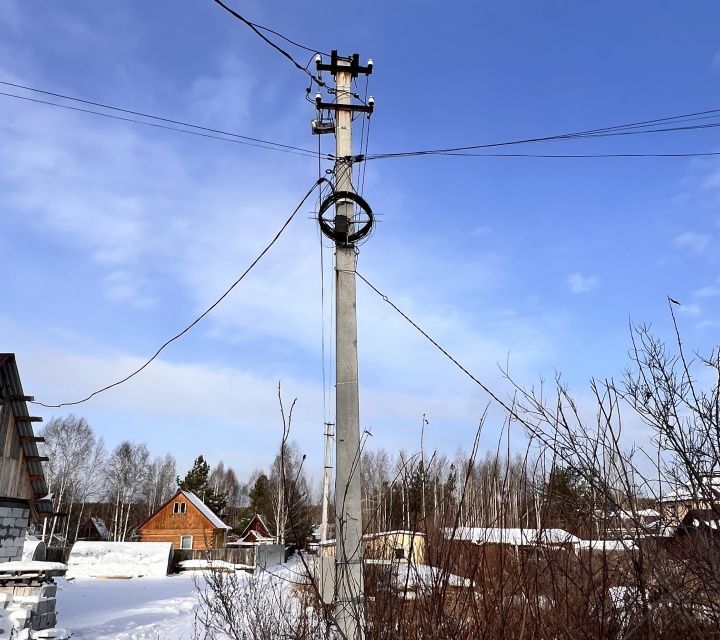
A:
(179, 507)
(186, 542)
(399, 554)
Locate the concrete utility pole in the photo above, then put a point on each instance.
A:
(348, 602)
(326, 481)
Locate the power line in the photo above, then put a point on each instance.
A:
(434, 342)
(700, 154)
(297, 44)
(232, 137)
(633, 128)
(201, 316)
(256, 29)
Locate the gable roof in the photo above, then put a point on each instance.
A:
(204, 509)
(247, 531)
(100, 526)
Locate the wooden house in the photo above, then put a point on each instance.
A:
(255, 533)
(94, 529)
(387, 546)
(23, 490)
(187, 522)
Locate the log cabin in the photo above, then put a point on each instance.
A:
(24, 496)
(256, 532)
(187, 522)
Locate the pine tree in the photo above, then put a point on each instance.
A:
(196, 481)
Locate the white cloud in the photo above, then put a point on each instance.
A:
(710, 291)
(693, 241)
(124, 287)
(690, 309)
(707, 324)
(582, 284)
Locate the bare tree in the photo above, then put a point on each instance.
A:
(161, 482)
(127, 471)
(75, 461)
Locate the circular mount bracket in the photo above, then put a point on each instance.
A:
(339, 229)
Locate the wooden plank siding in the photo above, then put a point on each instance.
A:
(166, 526)
(14, 478)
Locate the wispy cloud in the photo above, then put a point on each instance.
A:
(693, 241)
(690, 309)
(710, 291)
(582, 284)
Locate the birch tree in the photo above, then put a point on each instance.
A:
(74, 453)
(127, 473)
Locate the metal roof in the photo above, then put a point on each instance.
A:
(205, 510)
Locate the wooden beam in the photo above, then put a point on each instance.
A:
(21, 398)
(32, 439)
(28, 419)
(35, 476)
(37, 458)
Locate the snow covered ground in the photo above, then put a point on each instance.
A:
(157, 608)
(135, 609)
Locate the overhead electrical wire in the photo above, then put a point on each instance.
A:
(198, 318)
(434, 342)
(699, 154)
(192, 129)
(657, 125)
(257, 30)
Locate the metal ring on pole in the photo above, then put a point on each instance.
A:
(340, 238)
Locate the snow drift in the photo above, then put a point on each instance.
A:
(119, 559)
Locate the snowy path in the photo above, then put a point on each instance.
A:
(136, 609)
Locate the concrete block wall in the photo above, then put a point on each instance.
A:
(29, 606)
(14, 522)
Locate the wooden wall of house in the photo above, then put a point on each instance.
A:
(166, 526)
(14, 476)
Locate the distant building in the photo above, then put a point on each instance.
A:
(255, 533)
(386, 546)
(676, 504)
(23, 490)
(513, 537)
(94, 529)
(186, 522)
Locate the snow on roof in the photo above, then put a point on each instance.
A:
(640, 513)
(247, 530)
(205, 510)
(100, 526)
(607, 545)
(512, 536)
(119, 559)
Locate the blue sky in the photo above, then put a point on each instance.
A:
(114, 235)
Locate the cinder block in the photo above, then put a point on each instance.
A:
(17, 512)
(49, 590)
(8, 521)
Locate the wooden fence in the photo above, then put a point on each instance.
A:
(233, 555)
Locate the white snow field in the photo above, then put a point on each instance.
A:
(134, 609)
(159, 608)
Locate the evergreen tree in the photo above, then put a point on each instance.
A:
(196, 481)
